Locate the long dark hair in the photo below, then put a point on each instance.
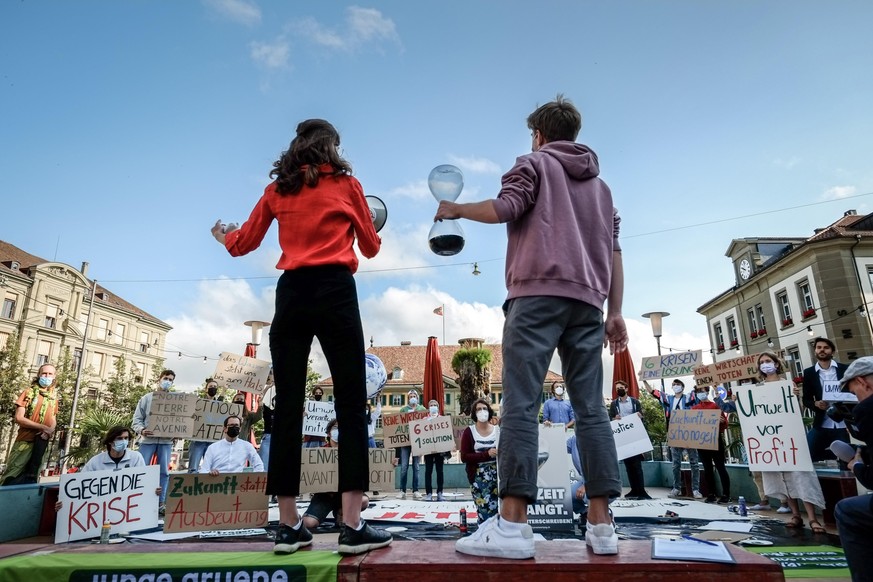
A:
(316, 144)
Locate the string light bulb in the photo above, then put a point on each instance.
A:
(476, 271)
(769, 343)
(180, 355)
(809, 330)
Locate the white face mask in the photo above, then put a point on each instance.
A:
(413, 401)
(559, 391)
(482, 415)
(334, 435)
(768, 368)
(434, 410)
(678, 389)
(702, 395)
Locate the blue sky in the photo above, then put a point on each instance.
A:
(128, 128)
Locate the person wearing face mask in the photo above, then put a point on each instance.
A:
(268, 404)
(35, 412)
(405, 453)
(231, 454)
(152, 447)
(557, 410)
(197, 448)
(710, 457)
(679, 401)
(249, 417)
(479, 444)
(312, 441)
(619, 408)
(433, 460)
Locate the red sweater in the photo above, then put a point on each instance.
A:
(317, 226)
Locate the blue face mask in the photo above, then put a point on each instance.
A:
(45, 381)
(120, 445)
(334, 435)
(165, 384)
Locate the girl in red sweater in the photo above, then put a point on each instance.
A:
(320, 209)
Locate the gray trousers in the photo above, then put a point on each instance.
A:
(534, 327)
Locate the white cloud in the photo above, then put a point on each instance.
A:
(417, 190)
(475, 165)
(838, 192)
(275, 55)
(402, 247)
(362, 27)
(239, 11)
(367, 24)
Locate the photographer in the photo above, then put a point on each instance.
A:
(855, 514)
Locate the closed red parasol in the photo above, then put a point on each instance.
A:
(433, 374)
(623, 369)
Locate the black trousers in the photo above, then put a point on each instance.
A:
(710, 458)
(318, 302)
(636, 480)
(431, 461)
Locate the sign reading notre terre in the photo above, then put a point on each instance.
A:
(670, 365)
(171, 414)
(241, 373)
(727, 370)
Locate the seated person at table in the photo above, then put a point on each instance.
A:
(230, 454)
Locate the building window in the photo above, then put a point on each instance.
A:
(43, 352)
(794, 364)
(719, 337)
(732, 332)
(379, 423)
(4, 338)
(448, 399)
(143, 341)
(753, 322)
(805, 296)
(397, 400)
(77, 358)
(97, 363)
(9, 307)
(141, 367)
(100, 330)
(51, 316)
(759, 309)
(119, 333)
(784, 308)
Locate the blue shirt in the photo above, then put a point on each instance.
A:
(558, 411)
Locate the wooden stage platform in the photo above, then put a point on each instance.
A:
(403, 561)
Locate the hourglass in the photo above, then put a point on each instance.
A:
(446, 237)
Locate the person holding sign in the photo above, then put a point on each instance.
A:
(321, 210)
(197, 448)
(231, 454)
(433, 460)
(35, 412)
(711, 457)
(679, 401)
(405, 453)
(791, 485)
(249, 418)
(826, 372)
(151, 446)
(479, 452)
(312, 441)
(623, 406)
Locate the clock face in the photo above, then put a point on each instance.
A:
(745, 269)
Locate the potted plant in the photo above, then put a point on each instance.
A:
(720, 347)
(753, 335)
(786, 322)
(809, 313)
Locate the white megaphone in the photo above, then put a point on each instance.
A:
(378, 211)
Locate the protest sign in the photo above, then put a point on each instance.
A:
(318, 470)
(553, 510)
(172, 414)
(318, 416)
(694, 429)
(727, 370)
(241, 373)
(670, 365)
(395, 428)
(831, 392)
(630, 437)
(431, 435)
(199, 501)
(772, 425)
(125, 499)
(460, 422)
(209, 416)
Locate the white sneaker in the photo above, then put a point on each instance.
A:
(417, 495)
(401, 495)
(601, 538)
(433, 497)
(760, 506)
(783, 509)
(674, 493)
(697, 494)
(493, 541)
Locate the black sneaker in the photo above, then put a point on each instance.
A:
(711, 499)
(352, 541)
(724, 500)
(289, 540)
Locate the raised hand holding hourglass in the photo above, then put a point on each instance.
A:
(446, 238)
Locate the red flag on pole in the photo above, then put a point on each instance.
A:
(438, 311)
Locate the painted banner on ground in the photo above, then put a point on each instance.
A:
(125, 499)
(318, 470)
(553, 510)
(318, 415)
(772, 425)
(431, 435)
(694, 429)
(630, 437)
(241, 373)
(395, 428)
(727, 370)
(670, 365)
(209, 416)
(199, 501)
(172, 414)
(460, 423)
(831, 392)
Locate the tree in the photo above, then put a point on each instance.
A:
(473, 367)
(13, 379)
(94, 422)
(123, 391)
(654, 421)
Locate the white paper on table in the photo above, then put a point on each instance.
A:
(737, 526)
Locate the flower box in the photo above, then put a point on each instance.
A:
(787, 321)
(753, 335)
(720, 347)
(735, 343)
(762, 332)
(809, 313)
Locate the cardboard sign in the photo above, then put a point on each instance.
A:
(125, 499)
(553, 510)
(395, 428)
(241, 373)
(831, 392)
(772, 426)
(630, 437)
(209, 417)
(727, 370)
(199, 501)
(460, 423)
(431, 435)
(670, 365)
(172, 414)
(318, 470)
(317, 415)
(694, 429)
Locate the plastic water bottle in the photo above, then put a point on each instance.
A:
(104, 533)
(742, 511)
(463, 526)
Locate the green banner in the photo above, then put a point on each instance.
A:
(807, 561)
(302, 566)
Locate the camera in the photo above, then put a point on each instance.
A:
(842, 412)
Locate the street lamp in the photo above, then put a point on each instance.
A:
(656, 317)
(257, 333)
